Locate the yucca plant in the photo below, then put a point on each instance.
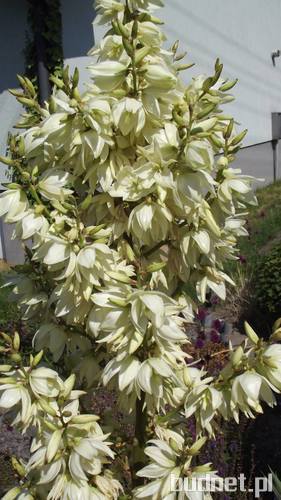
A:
(131, 214)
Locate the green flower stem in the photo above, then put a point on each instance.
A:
(155, 248)
(38, 200)
(140, 435)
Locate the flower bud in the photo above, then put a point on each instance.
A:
(196, 447)
(156, 266)
(46, 407)
(16, 341)
(222, 162)
(68, 385)
(239, 138)
(15, 357)
(37, 359)
(174, 445)
(57, 81)
(123, 278)
(84, 419)
(53, 445)
(251, 334)
(5, 368)
(17, 466)
(6, 160)
(75, 78)
(141, 54)
(228, 85)
(186, 377)
(228, 130)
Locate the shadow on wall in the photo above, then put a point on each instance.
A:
(78, 33)
(258, 162)
(12, 41)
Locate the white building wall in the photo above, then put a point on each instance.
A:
(243, 34)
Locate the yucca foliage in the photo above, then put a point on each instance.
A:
(128, 196)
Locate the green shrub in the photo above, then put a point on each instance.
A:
(268, 281)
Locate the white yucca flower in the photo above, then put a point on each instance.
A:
(248, 392)
(30, 225)
(110, 47)
(88, 457)
(45, 382)
(155, 377)
(159, 78)
(129, 116)
(93, 261)
(15, 395)
(270, 365)
(54, 251)
(171, 459)
(150, 222)
(109, 75)
(235, 183)
(52, 184)
(204, 402)
(107, 10)
(13, 204)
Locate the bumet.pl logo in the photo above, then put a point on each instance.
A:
(212, 483)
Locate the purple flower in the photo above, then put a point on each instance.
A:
(242, 259)
(199, 343)
(201, 314)
(214, 336)
(214, 299)
(218, 324)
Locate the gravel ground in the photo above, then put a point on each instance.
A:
(12, 443)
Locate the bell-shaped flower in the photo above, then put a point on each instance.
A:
(129, 116)
(130, 186)
(107, 10)
(126, 370)
(52, 184)
(269, 365)
(248, 391)
(109, 75)
(93, 261)
(234, 184)
(53, 251)
(108, 486)
(30, 225)
(110, 47)
(15, 396)
(45, 382)
(159, 78)
(150, 222)
(204, 401)
(150, 35)
(13, 204)
(157, 380)
(199, 155)
(88, 457)
(171, 459)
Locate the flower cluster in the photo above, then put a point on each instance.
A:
(69, 451)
